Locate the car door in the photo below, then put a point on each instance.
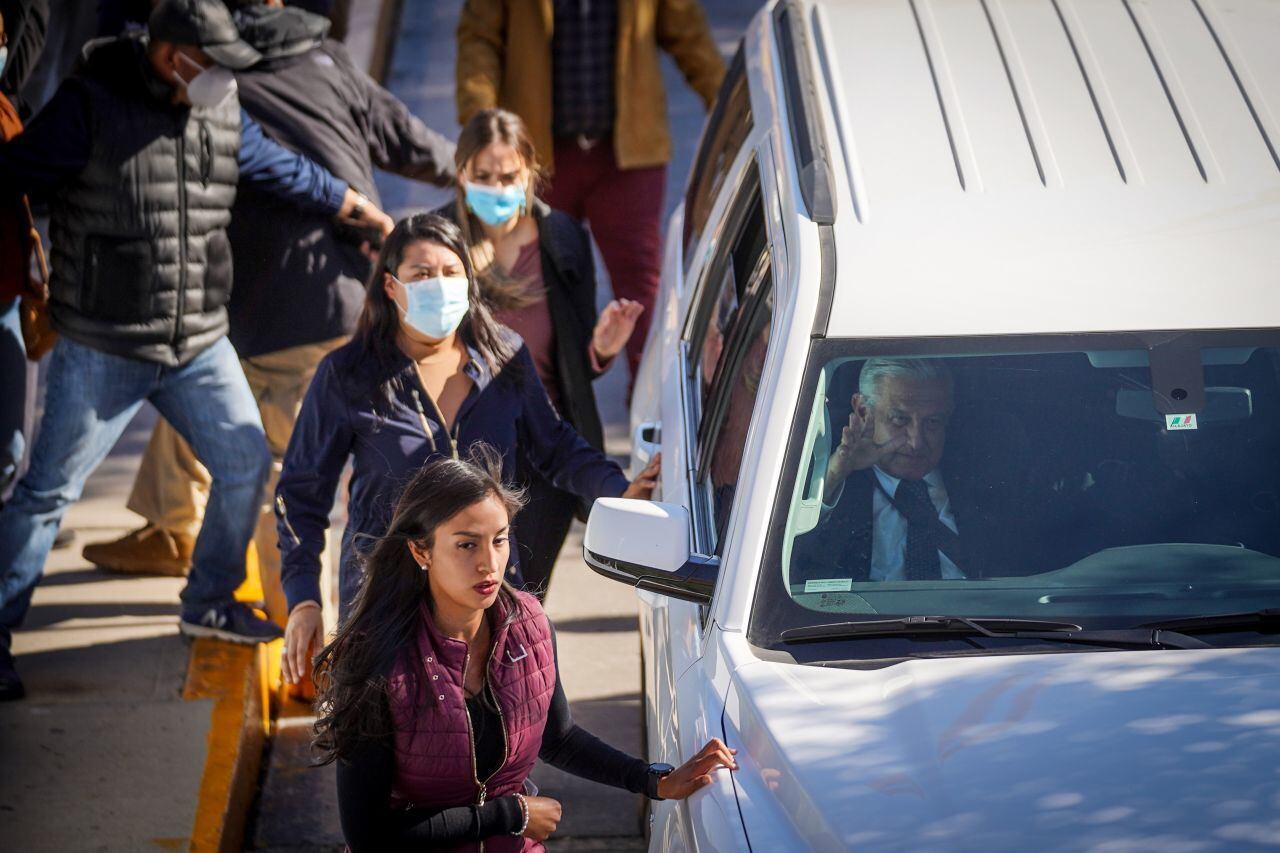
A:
(722, 352)
(723, 156)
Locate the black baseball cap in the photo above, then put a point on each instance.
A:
(205, 24)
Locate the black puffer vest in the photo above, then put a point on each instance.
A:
(141, 261)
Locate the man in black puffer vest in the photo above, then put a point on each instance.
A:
(140, 152)
(301, 296)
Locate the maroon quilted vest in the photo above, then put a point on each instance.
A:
(435, 763)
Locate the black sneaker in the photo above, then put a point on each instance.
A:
(234, 622)
(10, 684)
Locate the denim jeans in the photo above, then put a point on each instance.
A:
(17, 396)
(90, 399)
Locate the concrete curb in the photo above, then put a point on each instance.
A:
(242, 682)
(235, 678)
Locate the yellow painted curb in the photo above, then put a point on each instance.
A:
(239, 680)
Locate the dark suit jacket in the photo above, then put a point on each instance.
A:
(992, 542)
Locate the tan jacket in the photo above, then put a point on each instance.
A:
(504, 60)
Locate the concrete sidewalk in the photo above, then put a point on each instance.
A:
(104, 753)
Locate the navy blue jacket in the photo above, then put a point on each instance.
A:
(387, 445)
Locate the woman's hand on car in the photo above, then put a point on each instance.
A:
(646, 481)
(696, 772)
(614, 328)
(303, 637)
(544, 815)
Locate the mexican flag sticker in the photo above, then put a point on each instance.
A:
(1175, 422)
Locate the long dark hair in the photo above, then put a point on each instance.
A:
(485, 128)
(379, 322)
(351, 672)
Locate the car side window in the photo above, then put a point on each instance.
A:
(742, 384)
(728, 278)
(727, 130)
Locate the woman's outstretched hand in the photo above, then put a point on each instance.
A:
(614, 328)
(303, 638)
(646, 481)
(696, 772)
(544, 816)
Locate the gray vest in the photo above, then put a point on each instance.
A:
(141, 261)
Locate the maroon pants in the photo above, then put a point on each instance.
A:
(623, 208)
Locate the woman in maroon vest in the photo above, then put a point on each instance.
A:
(441, 690)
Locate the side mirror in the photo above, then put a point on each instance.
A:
(645, 544)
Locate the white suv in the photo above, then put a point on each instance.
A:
(1016, 262)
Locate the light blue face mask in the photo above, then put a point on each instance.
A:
(494, 205)
(4, 57)
(436, 305)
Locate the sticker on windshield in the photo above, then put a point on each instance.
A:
(1174, 422)
(831, 585)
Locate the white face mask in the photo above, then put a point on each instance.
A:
(210, 87)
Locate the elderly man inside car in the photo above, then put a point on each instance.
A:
(892, 509)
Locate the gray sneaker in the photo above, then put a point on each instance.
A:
(234, 622)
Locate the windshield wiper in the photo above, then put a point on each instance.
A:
(1017, 629)
(1221, 622)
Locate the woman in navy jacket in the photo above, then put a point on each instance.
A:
(428, 374)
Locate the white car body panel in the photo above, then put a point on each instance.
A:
(993, 753)
(1022, 254)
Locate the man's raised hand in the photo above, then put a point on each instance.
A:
(858, 449)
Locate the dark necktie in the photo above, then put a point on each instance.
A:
(912, 500)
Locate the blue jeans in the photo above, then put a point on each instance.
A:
(17, 396)
(90, 399)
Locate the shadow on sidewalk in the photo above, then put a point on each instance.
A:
(76, 666)
(49, 616)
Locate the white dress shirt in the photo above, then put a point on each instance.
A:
(889, 542)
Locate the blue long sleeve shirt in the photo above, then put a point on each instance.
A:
(56, 145)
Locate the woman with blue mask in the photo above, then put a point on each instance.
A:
(537, 272)
(428, 374)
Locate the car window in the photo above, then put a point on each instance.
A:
(1055, 487)
(742, 382)
(727, 129)
(729, 274)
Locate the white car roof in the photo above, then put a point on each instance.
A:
(1037, 166)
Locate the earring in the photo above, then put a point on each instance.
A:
(424, 566)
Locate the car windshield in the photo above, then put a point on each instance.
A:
(1105, 481)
